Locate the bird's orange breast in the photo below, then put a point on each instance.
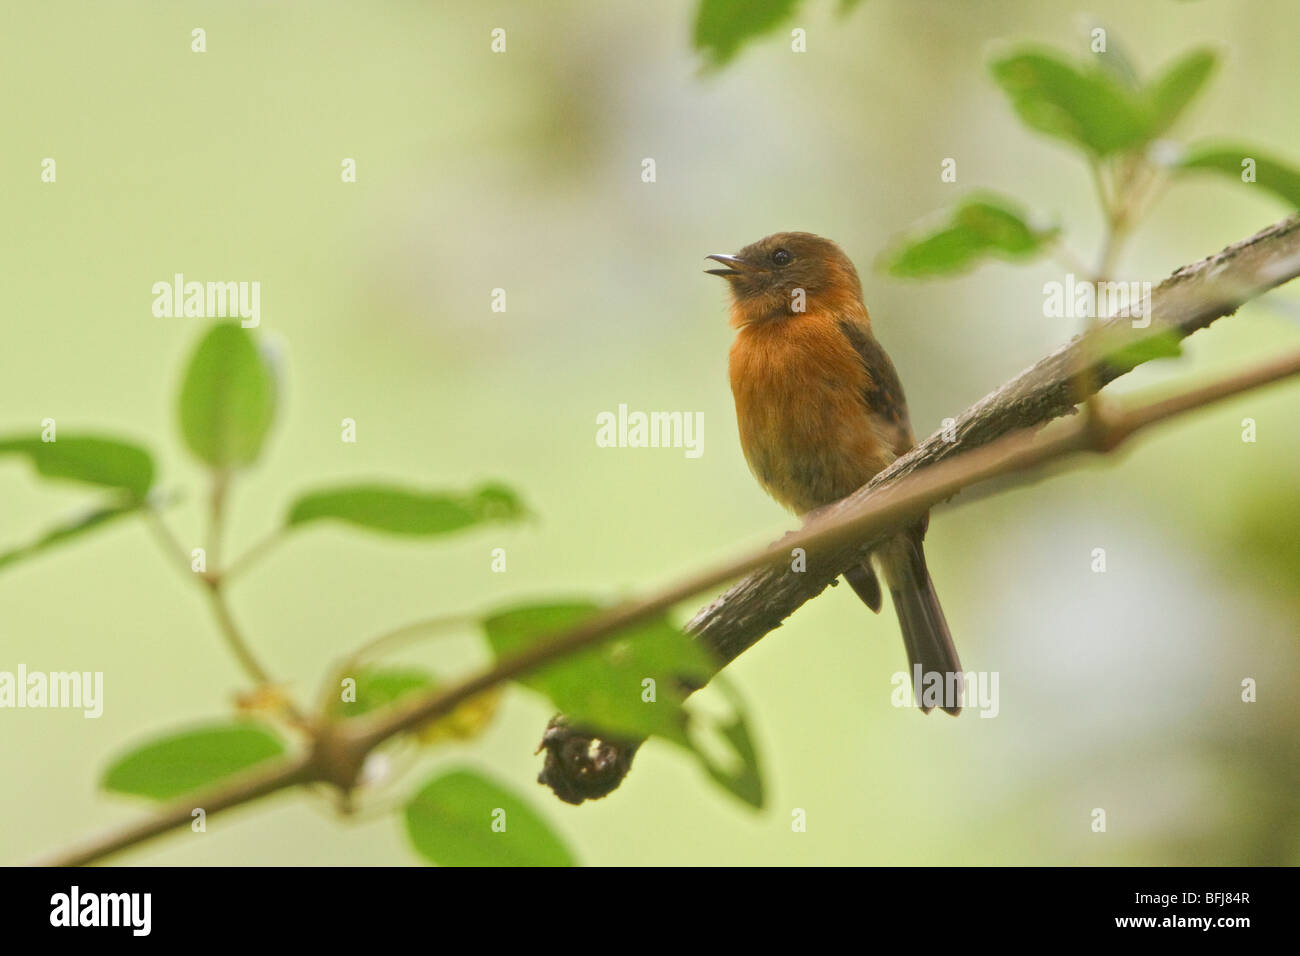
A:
(805, 428)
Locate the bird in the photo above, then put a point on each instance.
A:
(820, 411)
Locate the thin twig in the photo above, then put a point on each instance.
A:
(217, 515)
(234, 637)
(166, 540)
(254, 554)
(260, 782)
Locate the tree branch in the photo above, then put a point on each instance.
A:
(259, 782)
(995, 437)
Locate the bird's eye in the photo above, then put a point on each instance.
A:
(781, 257)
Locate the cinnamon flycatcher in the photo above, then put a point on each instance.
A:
(821, 411)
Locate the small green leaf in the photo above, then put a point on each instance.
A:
(463, 819)
(1129, 355)
(945, 252)
(980, 227)
(1086, 107)
(180, 763)
(602, 688)
(1168, 96)
(746, 779)
(1230, 159)
(227, 398)
(97, 461)
(77, 526)
(605, 689)
(378, 688)
(999, 227)
(402, 511)
(722, 27)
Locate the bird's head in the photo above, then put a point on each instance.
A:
(788, 273)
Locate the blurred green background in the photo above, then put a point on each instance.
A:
(476, 171)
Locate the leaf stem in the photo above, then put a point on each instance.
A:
(234, 638)
(1069, 259)
(166, 540)
(217, 514)
(254, 554)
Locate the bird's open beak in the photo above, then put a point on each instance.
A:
(736, 266)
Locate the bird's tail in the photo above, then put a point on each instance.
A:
(925, 630)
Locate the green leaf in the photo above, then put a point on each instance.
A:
(602, 688)
(999, 227)
(97, 461)
(1228, 158)
(180, 763)
(227, 398)
(378, 688)
(745, 778)
(722, 27)
(77, 526)
(945, 252)
(1168, 96)
(1128, 355)
(1086, 107)
(463, 819)
(981, 227)
(402, 511)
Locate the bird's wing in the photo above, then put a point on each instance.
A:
(883, 393)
